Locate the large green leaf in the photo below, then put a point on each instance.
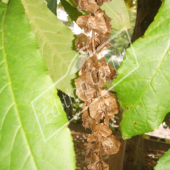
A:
(27, 141)
(4, 1)
(117, 11)
(144, 90)
(52, 5)
(55, 41)
(164, 162)
(72, 3)
(71, 10)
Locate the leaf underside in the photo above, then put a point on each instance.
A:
(144, 90)
(117, 11)
(22, 79)
(55, 41)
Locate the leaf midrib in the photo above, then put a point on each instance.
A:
(12, 91)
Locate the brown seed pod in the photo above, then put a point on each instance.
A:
(87, 5)
(99, 22)
(99, 104)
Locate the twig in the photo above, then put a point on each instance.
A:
(93, 39)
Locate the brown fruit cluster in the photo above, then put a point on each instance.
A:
(99, 104)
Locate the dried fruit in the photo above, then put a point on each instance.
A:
(110, 145)
(99, 104)
(82, 43)
(100, 2)
(99, 22)
(87, 5)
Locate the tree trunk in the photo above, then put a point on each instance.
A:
(146, 11)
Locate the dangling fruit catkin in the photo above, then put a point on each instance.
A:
(99, 104)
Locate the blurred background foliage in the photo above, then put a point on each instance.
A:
(121, 41)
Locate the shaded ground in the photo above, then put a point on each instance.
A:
(79, 141)
(151, 155)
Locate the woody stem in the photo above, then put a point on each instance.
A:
(93, 38)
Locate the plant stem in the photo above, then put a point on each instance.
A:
(93, 38)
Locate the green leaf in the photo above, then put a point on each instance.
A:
(55, 41)
(72, 3)
(143, 84)
(71, 11)
(164, 162)
(117, 11)
(52, 5)
(4, 1)
(23, 84)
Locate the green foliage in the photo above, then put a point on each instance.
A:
(164, 162)
(22, 78)
(121, 42)
(4, 1)
(117, 11)
(55, 41)
(71, 10)
(144, 91)
(71, 3)
(52, 5)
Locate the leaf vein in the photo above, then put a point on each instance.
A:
(12, 91)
